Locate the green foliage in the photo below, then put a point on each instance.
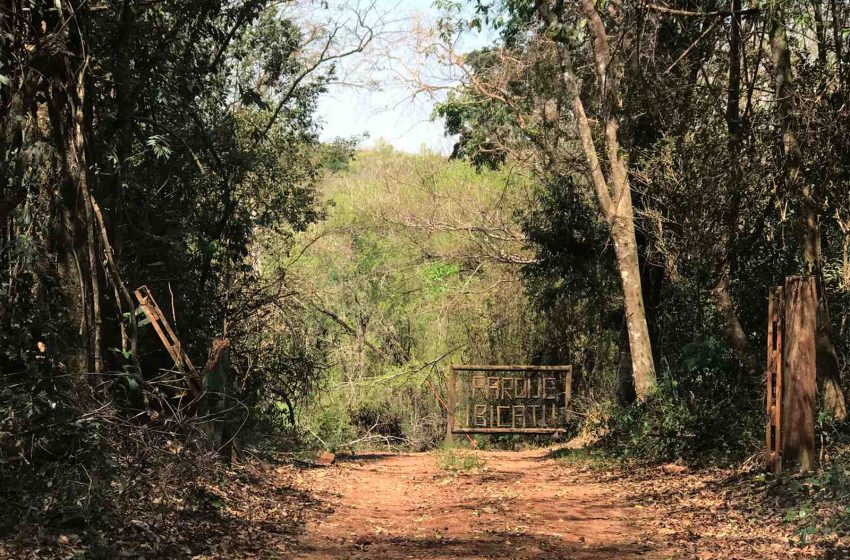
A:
(585, 457)
(438, 274)
(331, 419)
(456, 459)
(190, 126)
(703, 413)
(403, 281)
(338, 154)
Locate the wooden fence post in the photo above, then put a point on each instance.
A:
(451, 404)
(799, 374)
(215, 402)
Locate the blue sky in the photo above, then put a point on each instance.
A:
(388, 113)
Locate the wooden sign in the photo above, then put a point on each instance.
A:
(508, 399)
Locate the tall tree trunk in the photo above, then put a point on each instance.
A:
(66, 104)
(115, 197)
(643, 365)
(67, 121)
(732, 329)
(613, 193)
(827, 362)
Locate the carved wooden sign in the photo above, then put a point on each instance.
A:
(508, 399)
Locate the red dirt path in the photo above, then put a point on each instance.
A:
(520, 505)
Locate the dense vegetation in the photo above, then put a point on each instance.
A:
(692, 150)
(416, 265)
(630, 180)
(148, 143)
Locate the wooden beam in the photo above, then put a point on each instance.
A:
(451, 404)
(508, 430)
(510, 368)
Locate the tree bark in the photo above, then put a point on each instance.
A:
(834, 401)
(216, 381)
(732, 329)
(613, 193)
(66, 113)
(643, 365)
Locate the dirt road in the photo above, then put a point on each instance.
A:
(519, 505)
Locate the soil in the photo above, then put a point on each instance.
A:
(519, 505)
(535, 504)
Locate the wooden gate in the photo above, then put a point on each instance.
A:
(791, 375)
(494, 399)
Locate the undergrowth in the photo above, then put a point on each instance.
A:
(706, 412)
(454, 459)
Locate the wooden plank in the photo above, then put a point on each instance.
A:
(451, 404)
(510, 368)
(799, 385)
(771, 428)
(508, 430)
(169, 339)
(154, 321)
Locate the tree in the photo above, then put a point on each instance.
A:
(533, 106)
(801, 188)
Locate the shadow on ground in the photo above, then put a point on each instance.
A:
(493, 545)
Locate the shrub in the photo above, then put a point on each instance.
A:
(369, 418)
(454, 459)
(705, 412)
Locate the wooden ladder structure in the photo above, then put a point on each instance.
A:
(169, 339)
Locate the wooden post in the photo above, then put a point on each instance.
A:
(451, 404)
(775, 335)
(568, 393)
(799, 373)
(216, 381)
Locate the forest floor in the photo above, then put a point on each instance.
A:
(532, 504)
(529, 505)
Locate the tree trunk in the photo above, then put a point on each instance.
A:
(643, 365)
(732, 329)
(66, 115)
(829, 374)
(613, 193)
(216, 381)
(834, 401)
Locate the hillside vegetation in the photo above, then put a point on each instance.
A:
(416, 264)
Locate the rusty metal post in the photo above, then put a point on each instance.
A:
(775, 335)
(799, 372)
(451, 404)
